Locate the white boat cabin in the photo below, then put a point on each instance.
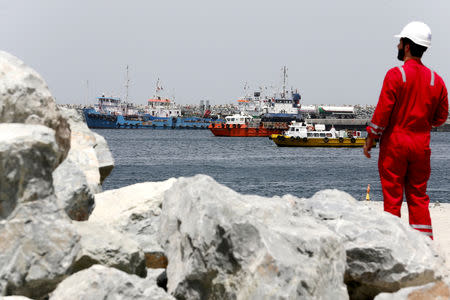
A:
(304, 130)
(238, 119)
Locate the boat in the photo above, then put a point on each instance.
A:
(262, 116)
(302, 134)
(239, 125)
(111, 113)
(160, 113)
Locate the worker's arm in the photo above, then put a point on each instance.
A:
(382, 114)
(441, 113)
(368, 146)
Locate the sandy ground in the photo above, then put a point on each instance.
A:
(440, 219)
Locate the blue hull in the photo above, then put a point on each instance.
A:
(95, 119)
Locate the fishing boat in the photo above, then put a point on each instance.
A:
(302, 134)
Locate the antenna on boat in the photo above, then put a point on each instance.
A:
(87, 92)
(127, 85)
(283, 95)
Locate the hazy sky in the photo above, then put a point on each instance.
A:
(337, 52)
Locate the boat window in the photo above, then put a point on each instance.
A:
(322, 135)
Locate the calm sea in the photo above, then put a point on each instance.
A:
(257, 165)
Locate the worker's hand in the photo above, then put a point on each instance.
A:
(368, 146)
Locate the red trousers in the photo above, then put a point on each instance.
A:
(404, 166)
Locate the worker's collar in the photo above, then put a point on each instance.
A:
(414, 60)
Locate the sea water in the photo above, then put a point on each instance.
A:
(255, 165)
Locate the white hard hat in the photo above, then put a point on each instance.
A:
(417, 32)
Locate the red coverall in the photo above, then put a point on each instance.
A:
(413, 99)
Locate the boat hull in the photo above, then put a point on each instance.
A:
(286, 141)
(243, 131)
(108, 121)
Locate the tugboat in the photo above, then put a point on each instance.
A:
(301, 134)
(268, 115)
(246, 126)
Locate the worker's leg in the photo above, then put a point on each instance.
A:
(416, 192)
(392, 166)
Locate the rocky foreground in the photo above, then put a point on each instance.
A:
(61, 237)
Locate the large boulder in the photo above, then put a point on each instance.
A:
(80, 176)
(37, 249)
(104, 156)
(384, 254)
(134, 210)
(82, 152)
(28, 155)
(223, 245)
(99, 282)
(25, 98)
(106, 246)
(72, 191)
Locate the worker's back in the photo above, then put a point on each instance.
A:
(420, 98)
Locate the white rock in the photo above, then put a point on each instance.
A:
(133, 210)
(37, 249)
(28, 155)
(25, 98)
(106, 246)
(223, 245)
(383, 253)
(99, 282)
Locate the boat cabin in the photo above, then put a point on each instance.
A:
(304, 130)
(108, 105)
(238, 119)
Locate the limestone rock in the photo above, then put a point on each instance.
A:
(431, 291)
(78, 178)
(72, 191)
(99, 282)
(223, 245)
(106, 246)
(384, 254)
(134, 210)
(28, 155)
(104, 156)
(37, 249)
(82, 152)
(25, 98)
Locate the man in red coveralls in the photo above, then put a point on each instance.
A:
(412, 100)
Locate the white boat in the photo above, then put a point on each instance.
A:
(302, 134)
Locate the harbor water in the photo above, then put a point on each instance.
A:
(257, 165)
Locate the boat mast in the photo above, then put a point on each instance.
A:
(127, 85)
(87, 92)
(283, 95)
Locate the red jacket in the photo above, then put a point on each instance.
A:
(413, 99)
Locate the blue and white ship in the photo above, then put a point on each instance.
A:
(159, 113)
(111, 112)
